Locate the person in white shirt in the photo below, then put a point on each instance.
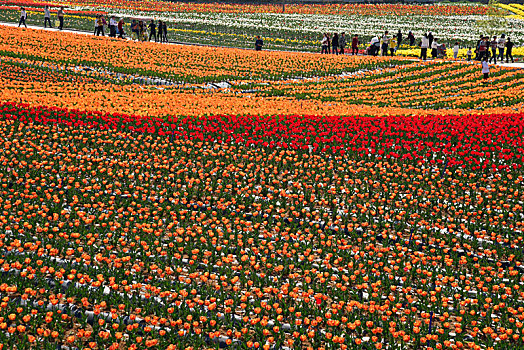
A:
(374, 46)
(455, 50)
(47, 17)
(23, 17)
(385, 43)
(501, 44)
(485, 68)
(325, 43)
(112, 27)
(434, 48)
(424, 45)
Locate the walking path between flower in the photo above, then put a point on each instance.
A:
(514, 65)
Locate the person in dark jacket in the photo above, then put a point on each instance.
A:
(334, 44)
(411, 38)
(60, 15)
(160, 36)
(152, 30)
(121, 28)
(477, 48)
(164, 30)
(430, 38)
(142, 33)
(342, 42)
(258, 43)
(399, 38)
(354, 45)
(493, 45)
(134, 29)
(509, 47)
(483, 49)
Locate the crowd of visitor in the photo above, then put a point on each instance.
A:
(141, 30)
(387, 44)
(47, 17)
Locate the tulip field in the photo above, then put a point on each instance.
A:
(260, 232)
(186, 197)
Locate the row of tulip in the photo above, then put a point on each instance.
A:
(415, 51)
(302, 9)
(121, 231)
(440, 87)
(175, 62)
(516, 9)
(436, 85)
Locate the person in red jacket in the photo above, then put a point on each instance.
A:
(121, 28)
(354, 45)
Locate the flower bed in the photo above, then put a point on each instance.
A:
(121, 231)
(175, 62)
(369, 87)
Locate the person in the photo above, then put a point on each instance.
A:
(60, 15)
(47, 16)
(354, 45)
(470, 53)
(424, 45)
(430, 38)
(392, 46)
(501, 44)
(164, 30)
(342, 42)
(112, 27)
(96, 24)
(23, 17)
(99, 26)
(374, 47)
(160, 36)
(483, 48)
(258, 43)
(152, 30)
(121, 28)
(399, 38)
(134, 29)
(493, 45)
(509, 48)
(434, 48)
(477, 48)
(328, 43)
(485, 68)
(104, 23)
(385, 43)
(334, 44)
(142, 35)
(455, 50)
(324, 44)
(411, 38)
